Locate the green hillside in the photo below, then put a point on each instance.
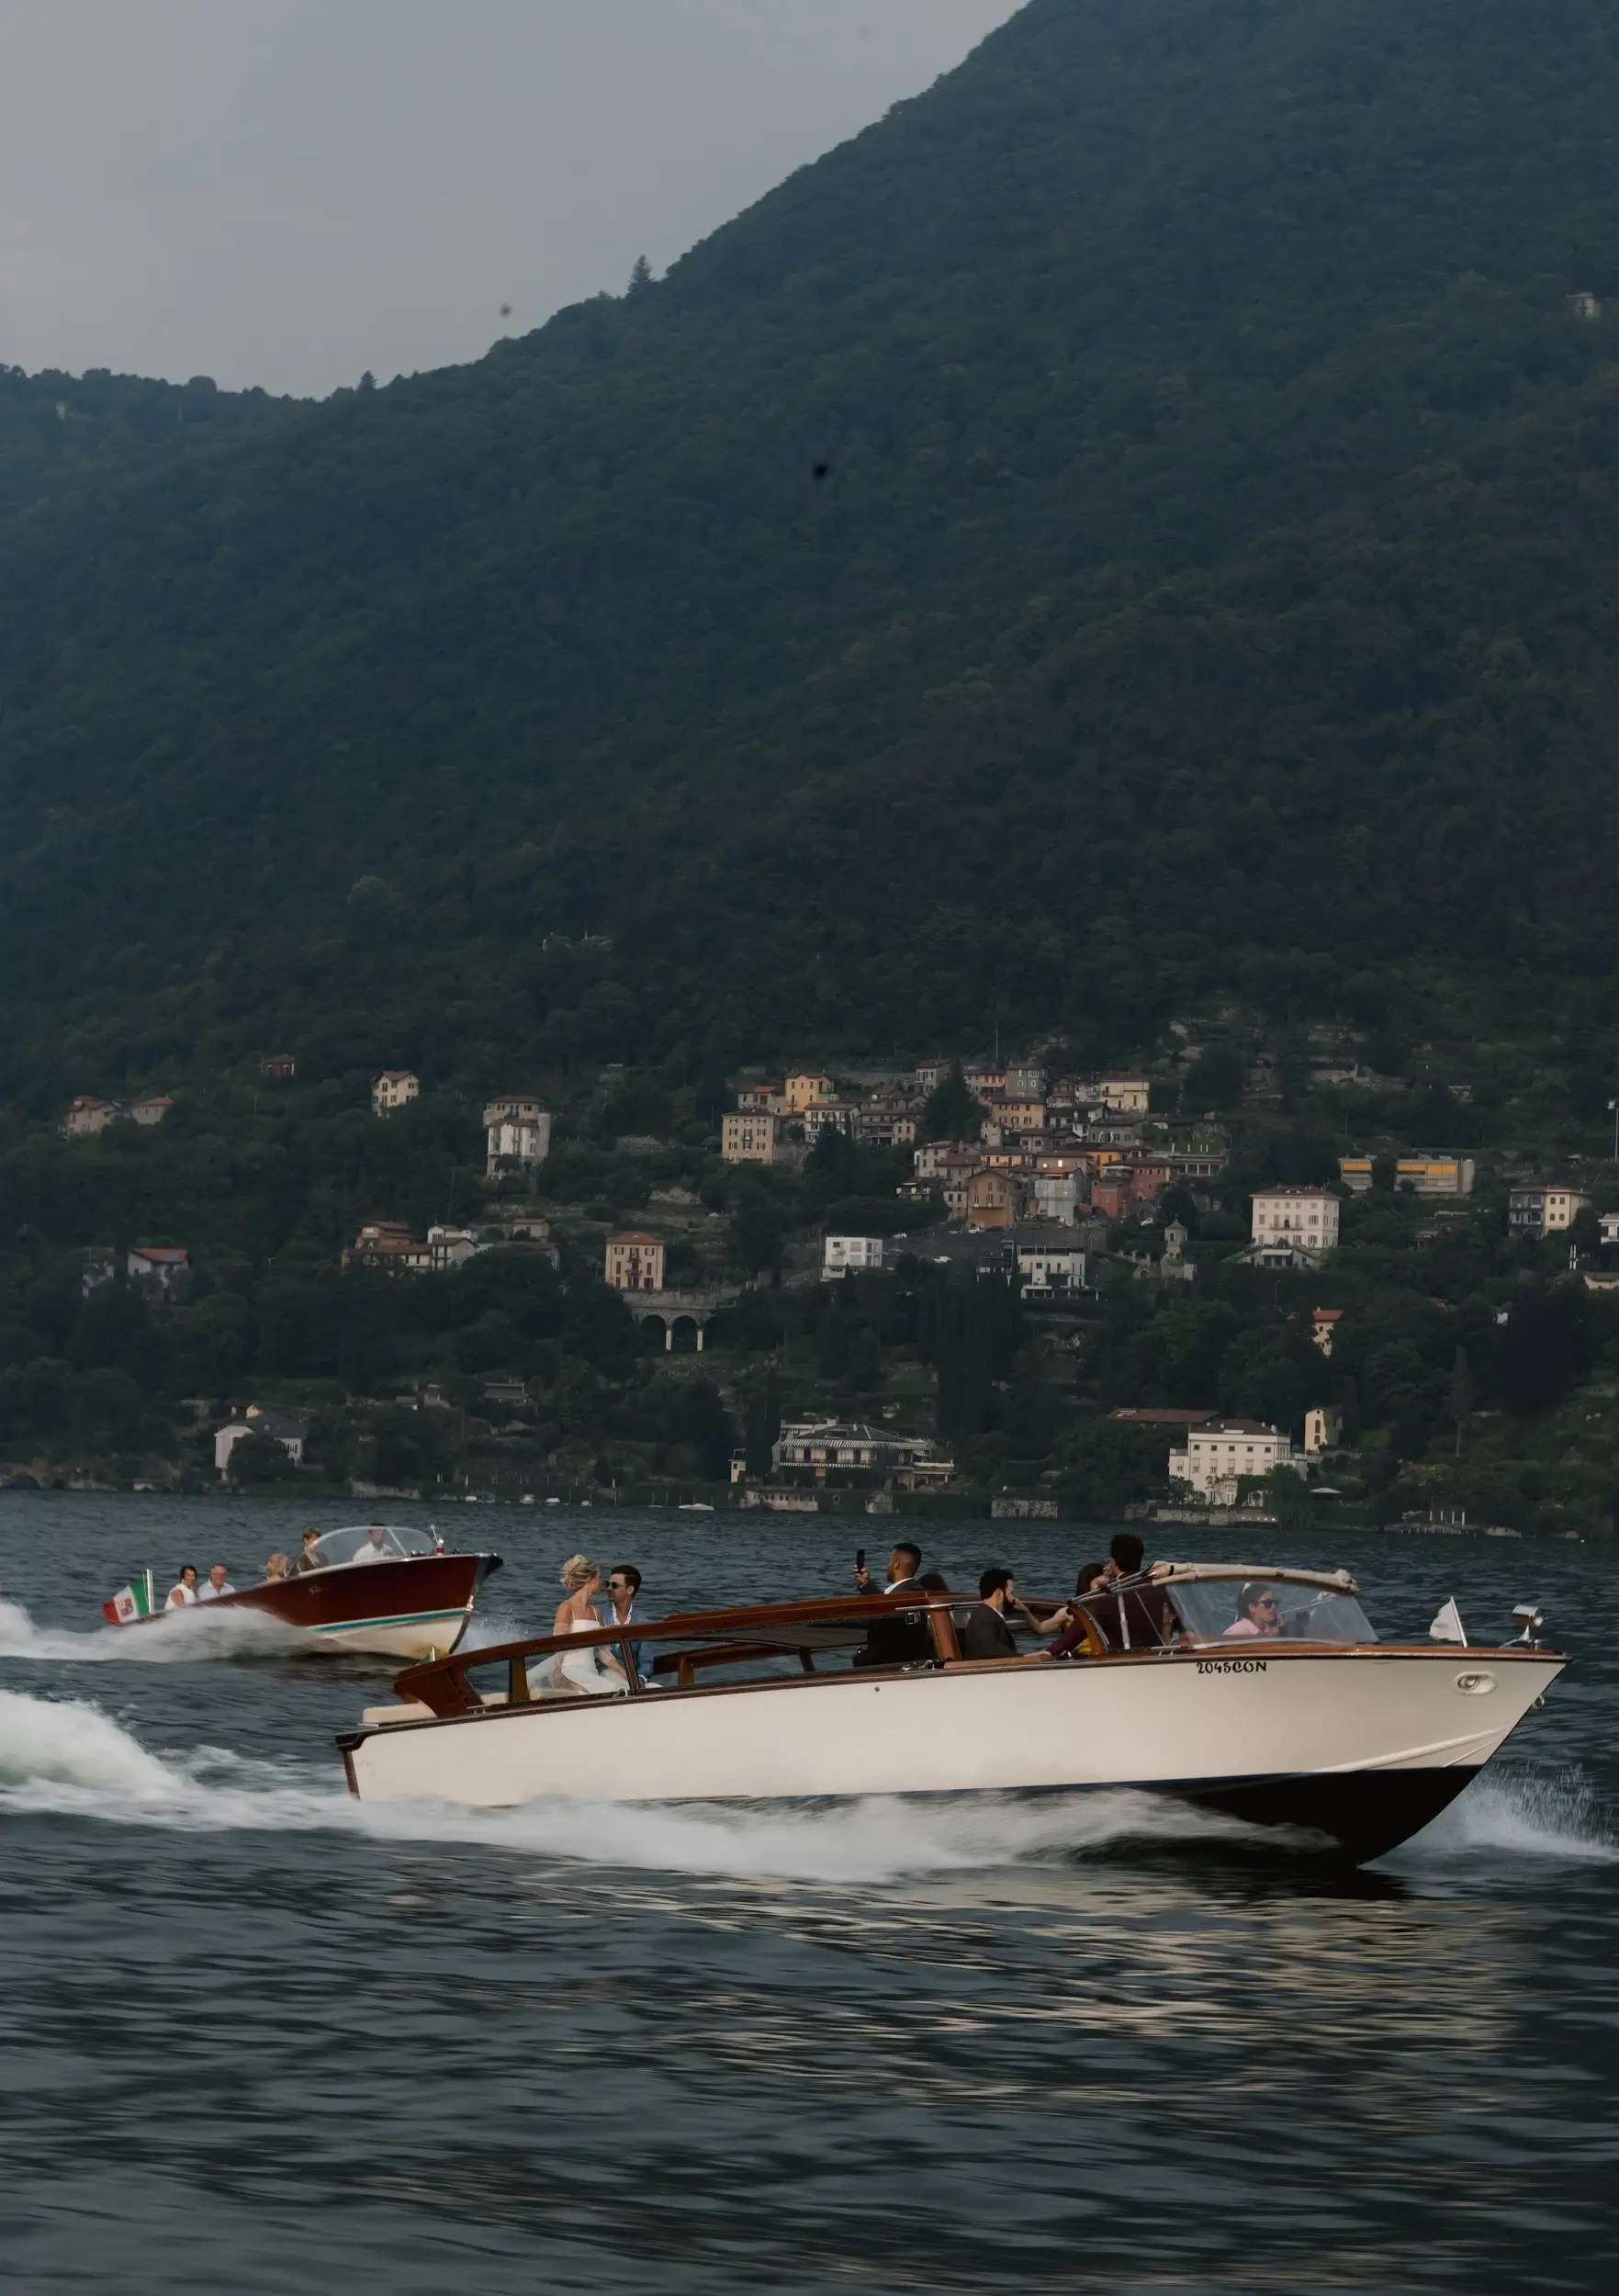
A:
(1207, 587)
(1129, 540)
(62, 435)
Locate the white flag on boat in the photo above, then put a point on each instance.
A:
(1447, 1624)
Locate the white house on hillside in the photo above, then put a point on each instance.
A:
(842, 1252)
(1294, 1223)
(1223, 1449)
(291, 1433)
(518, 1129)
(395, 1088)
(1049, 1269)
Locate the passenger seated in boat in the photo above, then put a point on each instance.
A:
(622, 1608)
(1128, 1615)
(183, 1593)
(376, 1547)
(1258, 1612)
(276, 1568)
(306, 1558)
(1091, 1576)
(219, 1582)
(595, 1670)
(983, 1631)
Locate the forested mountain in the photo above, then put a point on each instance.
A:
(1140, 523)
(61, 432)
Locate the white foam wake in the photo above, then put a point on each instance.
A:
(189, 1637)
(46, 1744)
(1549, 1813)
(67, 1758)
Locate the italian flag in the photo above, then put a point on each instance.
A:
(127, 1605)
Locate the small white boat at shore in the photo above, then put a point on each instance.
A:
(1304, 1720)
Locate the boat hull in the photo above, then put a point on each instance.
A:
(1361, 1747)
(411, 1607)
(1360, 1814)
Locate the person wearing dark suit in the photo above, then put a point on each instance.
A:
(895, 1641)
(983, 1631)
(904, 1562)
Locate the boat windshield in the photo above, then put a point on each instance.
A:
(359, 1540)
(1240, 1610)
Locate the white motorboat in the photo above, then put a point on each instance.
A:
(1262, 1693)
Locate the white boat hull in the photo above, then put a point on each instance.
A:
(428, 1634)
(1365, 1745)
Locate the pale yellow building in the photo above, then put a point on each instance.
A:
(1323, 1429)
(1537, 1210)
(634, 1261)
(1128, 1095)
(1012, 1114)
(87, 1117)
(805, 1088)
(997, 1199)
(748, 1138)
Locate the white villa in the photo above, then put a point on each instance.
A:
(518, 1129)
(819, 1443)
(1223, 1449)
(1292, 1223)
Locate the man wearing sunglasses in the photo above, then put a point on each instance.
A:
(1258, 1612)
(620, 1609)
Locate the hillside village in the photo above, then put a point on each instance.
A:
(1003, 1285)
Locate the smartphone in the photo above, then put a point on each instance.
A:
(859, 1558)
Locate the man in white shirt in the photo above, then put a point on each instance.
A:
(376, 1548)
(622, 1608)
(218, 1584)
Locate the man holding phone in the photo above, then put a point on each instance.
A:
(904, 1562)
(893, 1641)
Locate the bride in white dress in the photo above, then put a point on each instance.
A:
(595, 1670)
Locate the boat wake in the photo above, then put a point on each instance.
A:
(189, 1637)
(66, 1758)
(1525, 1813)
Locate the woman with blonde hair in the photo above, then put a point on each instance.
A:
(277, 1567)
(595, 1670)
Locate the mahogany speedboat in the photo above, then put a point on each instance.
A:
(375, 1587)
(1264, 1695)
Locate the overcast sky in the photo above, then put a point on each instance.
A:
(286, 192)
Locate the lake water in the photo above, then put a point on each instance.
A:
(258, 2038)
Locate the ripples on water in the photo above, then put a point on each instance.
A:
(260, 2038)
